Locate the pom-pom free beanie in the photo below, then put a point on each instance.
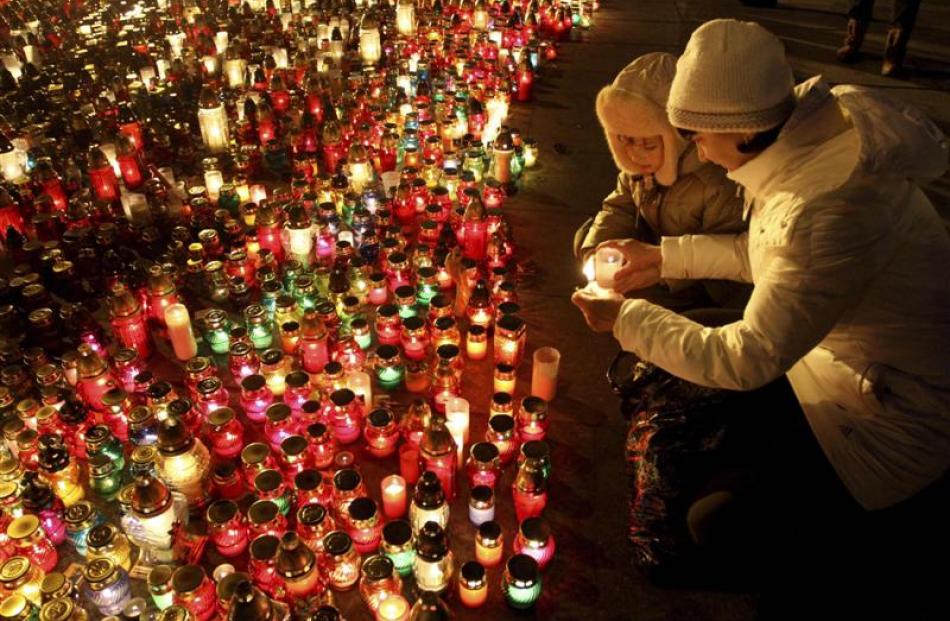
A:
(732, 77)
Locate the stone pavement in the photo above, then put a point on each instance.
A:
(593, 578)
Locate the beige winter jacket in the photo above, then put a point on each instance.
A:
(852, 294)
(684, 196)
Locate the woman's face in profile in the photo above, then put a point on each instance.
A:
(645, 153)
(721, 149)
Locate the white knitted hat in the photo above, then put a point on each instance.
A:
(635, 105)
(732, 77)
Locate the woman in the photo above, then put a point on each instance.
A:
(662, 188)
(851, 302)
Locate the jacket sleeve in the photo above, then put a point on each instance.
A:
(722, 207)
(618, 218)
(804, 289)
(724, 257)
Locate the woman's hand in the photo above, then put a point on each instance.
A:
(599, 311)
(642, 264)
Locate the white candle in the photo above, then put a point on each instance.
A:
(606, 263)
(458, 428)
(221, 39)
(213, 182)
(457, 409)
(179, 332)
(393, 608)
(544, 373)
(394, 496)
(359, 382)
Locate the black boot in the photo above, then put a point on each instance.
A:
(850, 52)
(894, 51)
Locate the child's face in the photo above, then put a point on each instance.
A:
(646, 153)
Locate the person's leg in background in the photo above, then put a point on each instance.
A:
(859, 18)
(903, 18)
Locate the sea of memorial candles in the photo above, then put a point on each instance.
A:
(302, 205)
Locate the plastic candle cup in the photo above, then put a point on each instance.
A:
(489, 544)
(179, 332)
(544, 373)
(473, 585)
(409, 463)
(606, 263)
(457, 410)
(457, 429)
(394, 496)
(521, 582)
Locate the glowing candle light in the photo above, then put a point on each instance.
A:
(457, 413)
(606, 263)
(213, 121)
(544, 373)
(359, 382)
(180, 333)
(393, 608)
(473, 585)
(394, 496)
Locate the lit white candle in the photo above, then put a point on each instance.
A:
(544, 373)
(234, 68)
(179, 332)
(394, 496)
(606, 263)
(361, 385)
(213, 182)
(457, 409)
(458, 429)
(221, 39)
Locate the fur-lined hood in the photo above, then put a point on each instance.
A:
(635, 105)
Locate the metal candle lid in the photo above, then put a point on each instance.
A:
(523, 571)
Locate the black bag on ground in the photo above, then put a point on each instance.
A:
(676, 429)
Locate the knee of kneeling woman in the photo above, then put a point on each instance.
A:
(714, 520)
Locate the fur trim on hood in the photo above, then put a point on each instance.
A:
(635, 105)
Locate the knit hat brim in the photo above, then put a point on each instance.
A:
(725, 122)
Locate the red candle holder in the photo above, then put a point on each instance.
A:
(256, 397)
(323, 445)
(312, 488)
(279, 424)
(483, 466)
(265, 518)
(345, 415)
(534, 538)
(313, 524)
(381, 433)
(414, 338)
(227, 528)
(225, 433)
(365, 528)
(294, 455)
(533, 419)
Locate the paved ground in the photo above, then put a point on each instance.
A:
(593, 578)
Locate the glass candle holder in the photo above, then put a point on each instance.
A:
(195, 592)
(107, 541)
(258, 326)
(347, 487)
(418, 377)
(314, 523)
(80, 519)
(107, 586)
(529, 490)
(364, 525)
(323, 446)
(297, 566)
(101, 441)
(227, 481)
(532, 419)
(18, 576)
(389, 367)
(473, 585)
(274, 370)
(379, 581)
(342, 561)
(501, 433)
(159, 581)
(262, 562)
(242, 360)
(227, 528)
(510, 336)
(298, 390)
(225, 433)
(489, 544)
(270, 485)
(256, 397)
(28, 539)
(476, 344)
(445, 331)
(393, 608)
(414, 338)
(504, 378)
(428, 503)
(501, 404)
(481, 506)
(216, 329)
(311, 486)
(294, 455)
(388, 325)
(534, 539)
(255, 458)
(143, 426)
(345, 416)
(381, 433)
(434, 565)
(521, 582)
(264, 518)
(105, 479)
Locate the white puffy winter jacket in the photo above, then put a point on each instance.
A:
(851, 267)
